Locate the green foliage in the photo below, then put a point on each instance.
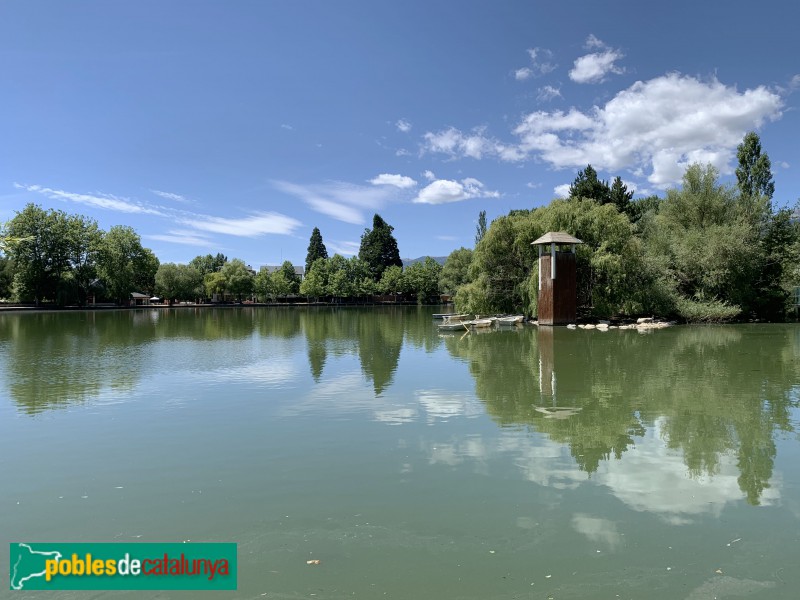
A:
(455, 271)
(84, 240)
(316, 280)
(754, 172)
(178, 282)
(619, 195)
(706, 311)
(208, 263)
(392, 281)
(6, 277)
(215, 284)
(480, 228)
(124, 265)
(316, 249)
(41, 252)
(379, 248)
(290, 276)
(422, 278)
(239, 279)
(587, 185)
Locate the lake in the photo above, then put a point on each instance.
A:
(523, 463)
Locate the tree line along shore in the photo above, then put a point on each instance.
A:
(704, 251)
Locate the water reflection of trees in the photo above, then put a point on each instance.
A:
(723, 390)
(54, 359)
(375, 335)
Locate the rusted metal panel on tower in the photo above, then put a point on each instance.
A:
(557, 298)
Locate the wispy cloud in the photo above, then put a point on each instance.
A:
(182, 236)
(447, 238)
(429, 175)
(398, 181)
(97, 200)
(343, 248)
(171, 196)
(541, 63)
(402, 152)
(548, 92)
(286, 126)
(403, 125)
(593, 68)
(338, 199)
(476, 144)
(443, 191)
(259, 223)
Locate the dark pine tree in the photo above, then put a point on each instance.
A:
(587, 185)
(316, 249)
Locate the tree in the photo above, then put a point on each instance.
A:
(215, 283)
(40, 253)
(379, 248)
(587, 185)
(84, 240)
(423, 279)
(392, 281)
(291, 277)
(316, 279)
(619, 195)
(455, 271)
(177, 282)
(208, 263)
(238, 277)
(480, 228)
(6, 277)
(754, 174)
(262, 284)
(316, 249)
(124, 265)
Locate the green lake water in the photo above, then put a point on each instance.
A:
(527, 463)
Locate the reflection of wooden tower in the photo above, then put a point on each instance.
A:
(557, 279)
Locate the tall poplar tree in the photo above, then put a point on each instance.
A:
(754, 173)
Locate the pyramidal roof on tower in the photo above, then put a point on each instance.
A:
(556, 237)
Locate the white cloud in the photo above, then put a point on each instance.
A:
(398, 181)
(96, 200)
(286, 126)
(170, 196)
(403, 125)
(523, 74)
(257, 224)
(402, 152)
(447, 238)
(182, 236)
(476, 145)
(340, 200)
(343, 248)
(542, 61)
(429, 175)
(443, 191)
(784, 164)
(795, 82)
(594, 67)
(548, 92)
(533, 185)
(561, 191)
(662, 124)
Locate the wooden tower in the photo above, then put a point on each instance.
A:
(557, 278)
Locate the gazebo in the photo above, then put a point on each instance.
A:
(557, 278)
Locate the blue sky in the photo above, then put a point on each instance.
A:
(238, 127)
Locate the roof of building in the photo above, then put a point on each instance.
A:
(556, 237)
(139, 296)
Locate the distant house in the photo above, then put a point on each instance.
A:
(138, 299)
(299, 271)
